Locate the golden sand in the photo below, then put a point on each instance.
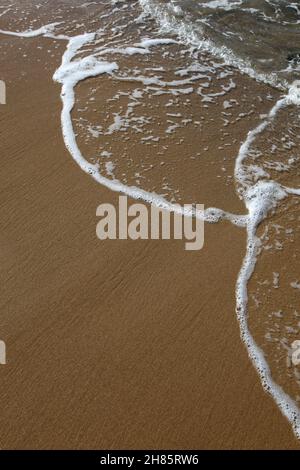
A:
(115, 344)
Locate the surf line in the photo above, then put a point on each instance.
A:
(70, 73)
(170, 22)
(259, 199)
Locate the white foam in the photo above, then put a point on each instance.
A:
(243, 172)
(69, 74)
(263, 199)
(295, 285)
(109, 167)
(188, 35)
(43, 31)
(294, 93)
(260, 196)
(124, 50)
(222, 4)
(146, 43)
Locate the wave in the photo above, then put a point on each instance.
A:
(260, 196)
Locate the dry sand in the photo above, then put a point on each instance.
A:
(116, 344)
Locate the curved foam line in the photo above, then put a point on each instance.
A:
(240, 172)
(43, 31)
(69, 75)
(286, 405)
(258, 198)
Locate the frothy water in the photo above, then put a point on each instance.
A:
(142, 99)
(258, 36)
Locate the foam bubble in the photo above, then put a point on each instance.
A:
(43, 31)
(259, 195)
(294, 93)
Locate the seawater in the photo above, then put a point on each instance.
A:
(163, 98)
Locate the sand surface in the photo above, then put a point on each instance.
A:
(115, 344)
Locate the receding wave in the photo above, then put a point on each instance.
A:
(142, 98)
(257, 36)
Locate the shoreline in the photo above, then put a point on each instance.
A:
(111, 344)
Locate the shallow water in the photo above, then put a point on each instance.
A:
(260, 34)
(195, 107)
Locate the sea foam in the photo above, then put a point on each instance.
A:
(260, 197)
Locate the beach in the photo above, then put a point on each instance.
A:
(119, 344)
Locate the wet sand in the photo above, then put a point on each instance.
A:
(116, 344)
